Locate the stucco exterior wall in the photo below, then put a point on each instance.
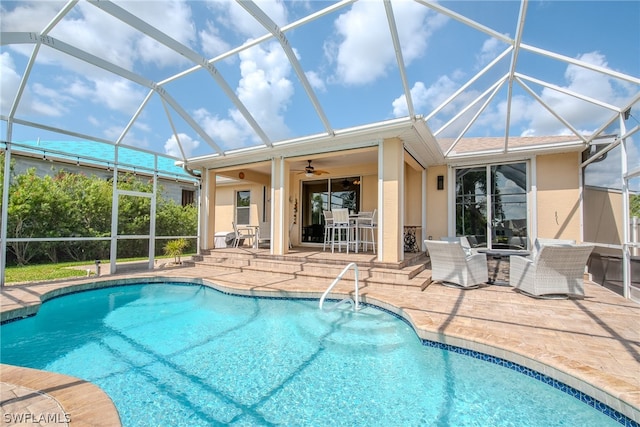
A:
(558, 196)
(412, 196)
(603, 216)
(437, 206)
(225, 205)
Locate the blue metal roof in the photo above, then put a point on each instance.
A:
(102, 155)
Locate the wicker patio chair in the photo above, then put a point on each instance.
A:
(450, 265)
(556, 271)
(540, 242)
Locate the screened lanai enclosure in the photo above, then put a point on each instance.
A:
(456, 118)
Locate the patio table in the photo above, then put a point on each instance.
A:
(498, 263)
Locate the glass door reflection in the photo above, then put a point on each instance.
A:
(326, 194)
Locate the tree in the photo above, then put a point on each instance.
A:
(634, 205)
(74, 205)
(33, 202)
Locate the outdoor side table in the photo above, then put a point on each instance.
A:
(498, 264)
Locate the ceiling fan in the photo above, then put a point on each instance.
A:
(310, 171)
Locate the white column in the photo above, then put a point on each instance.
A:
(423, 219)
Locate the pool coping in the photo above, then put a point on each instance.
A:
(82, 402)
(577, 382)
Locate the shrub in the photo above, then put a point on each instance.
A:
(175, 248)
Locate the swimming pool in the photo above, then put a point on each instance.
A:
(171, 354)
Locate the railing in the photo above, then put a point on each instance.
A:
(354, 302)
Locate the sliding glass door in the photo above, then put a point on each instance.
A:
(492, 201)
(326, 194)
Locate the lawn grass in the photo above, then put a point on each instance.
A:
(32, 273)
(62, 270)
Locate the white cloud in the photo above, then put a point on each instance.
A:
(427, 99)
(9, 83)
(580, 114)
(117, 94)
(80, 82)
(212, 44)
(419, 97)
(316, 81)
(232, 132)
(172, 146)
(174, 18)
(264, 86)
(363, 54)
(364, 51)
(491, 48)
(236, 18)
(31, 16)
(264, 89)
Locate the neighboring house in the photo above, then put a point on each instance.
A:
(97, 158)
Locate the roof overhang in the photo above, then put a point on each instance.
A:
(415, 134)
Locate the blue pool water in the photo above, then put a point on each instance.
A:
(185, 355)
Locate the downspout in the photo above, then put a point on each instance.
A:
(199, 177)
(191, 172)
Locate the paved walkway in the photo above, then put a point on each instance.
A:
(591, 344)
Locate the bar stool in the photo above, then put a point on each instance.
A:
(341, 224)
(328, 228)
(368, 226)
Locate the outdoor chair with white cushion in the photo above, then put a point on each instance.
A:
(264, 233)
(540, 242)
(243, 233)
(554, 271)
(451, 265)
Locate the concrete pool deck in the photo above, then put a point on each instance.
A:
(591, 344)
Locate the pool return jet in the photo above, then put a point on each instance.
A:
(353, 301)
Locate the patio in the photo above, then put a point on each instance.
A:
(590, 344)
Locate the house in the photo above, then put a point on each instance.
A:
(98, 158)
(536, 189)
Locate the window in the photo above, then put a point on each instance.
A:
(492, 201)
(243, 207)
(188, 197)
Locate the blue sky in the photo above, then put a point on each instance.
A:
(346, 55)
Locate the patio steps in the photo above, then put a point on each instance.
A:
(414, 275)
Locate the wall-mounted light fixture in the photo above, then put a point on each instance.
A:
(440, 182)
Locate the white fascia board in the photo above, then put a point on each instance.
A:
(356, 137)
(266, 154)
(517, 152)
